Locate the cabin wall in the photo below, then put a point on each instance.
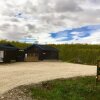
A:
(10, 55)
(32, 55)
(43, 55)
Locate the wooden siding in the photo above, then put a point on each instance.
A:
(32, 55)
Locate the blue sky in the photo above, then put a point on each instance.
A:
(50, 21)
(75, 33)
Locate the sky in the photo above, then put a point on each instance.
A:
(50, 21)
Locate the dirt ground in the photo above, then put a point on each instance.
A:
(16, 74)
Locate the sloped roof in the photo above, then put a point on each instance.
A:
(42, 47)
(7, 46)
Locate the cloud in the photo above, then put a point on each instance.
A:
(67, 5)
(94, 38)
(38, 18)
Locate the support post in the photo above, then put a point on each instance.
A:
(98, 72)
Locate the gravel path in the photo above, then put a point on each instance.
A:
(16, 74)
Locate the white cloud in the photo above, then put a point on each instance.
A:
(94, 38)
(38, 18)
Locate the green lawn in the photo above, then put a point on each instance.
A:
(80, 88)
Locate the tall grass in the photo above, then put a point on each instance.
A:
(79, 53)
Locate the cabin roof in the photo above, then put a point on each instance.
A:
(42, 47)
(6, 46)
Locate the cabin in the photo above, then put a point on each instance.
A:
(8, 53)
(35, 52)
(41, 52)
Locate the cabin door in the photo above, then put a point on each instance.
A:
(1, 56)
(31, 57)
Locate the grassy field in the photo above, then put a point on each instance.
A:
(79, 53)
(80, 88)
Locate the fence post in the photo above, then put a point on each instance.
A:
(98, 72)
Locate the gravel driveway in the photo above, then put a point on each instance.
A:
(15, 74)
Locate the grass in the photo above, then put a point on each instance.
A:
(79, 53)
(80, 88)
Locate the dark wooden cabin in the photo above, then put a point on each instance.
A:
(41, 52)
(8, 53)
